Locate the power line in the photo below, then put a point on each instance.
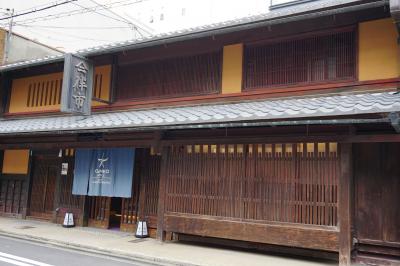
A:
(36, 10)
(135, 26)
(74, 27)
(101, 14)
(78, 38)
(81, 10)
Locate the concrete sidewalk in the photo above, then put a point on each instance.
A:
(125, 245)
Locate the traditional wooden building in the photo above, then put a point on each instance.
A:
(278, 131)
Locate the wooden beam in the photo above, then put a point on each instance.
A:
(288, 139)
(345, 204)
(293, 235)
(162, 193)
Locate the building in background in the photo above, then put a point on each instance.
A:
(20, 48)
(278, 131)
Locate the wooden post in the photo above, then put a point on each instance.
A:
(57, 191)
(345, 204)
(162, 193)
(29, 177)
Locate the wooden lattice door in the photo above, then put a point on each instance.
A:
(99, 212)
(43, 187)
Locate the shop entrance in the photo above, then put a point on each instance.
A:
(115, 213)
(122, 213)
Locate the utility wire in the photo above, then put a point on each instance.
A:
(82, 10)
(36, 10)
(73, 27)
(135, 26)
(70, 36)
(101, 14)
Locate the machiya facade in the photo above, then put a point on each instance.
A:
(280, 132)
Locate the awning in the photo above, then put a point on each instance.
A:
(249, 111)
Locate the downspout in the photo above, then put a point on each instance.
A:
(395, 121)
(395, 12)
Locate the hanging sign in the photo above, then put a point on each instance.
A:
(77, 85)
(104, 172)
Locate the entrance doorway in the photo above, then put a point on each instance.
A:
(123, 213)
(45, 170)
(115, 213)
(377, 197)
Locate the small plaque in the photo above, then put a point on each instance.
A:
(64, 168)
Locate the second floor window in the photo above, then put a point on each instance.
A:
(323, 58)
(173, 77)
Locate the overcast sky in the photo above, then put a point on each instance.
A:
(86, 23)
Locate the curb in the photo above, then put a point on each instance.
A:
(156, 261)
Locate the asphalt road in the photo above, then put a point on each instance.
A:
(27, 253)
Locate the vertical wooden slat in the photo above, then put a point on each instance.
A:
(162, 193)
(301, 60)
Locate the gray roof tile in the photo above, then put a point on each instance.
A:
(292, 108)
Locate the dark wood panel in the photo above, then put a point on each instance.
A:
(180, 76)
(287, 235)
(312, 59)
(45, 172)
(377, 186)
(345, 204)
(13, 192)
(66, 201)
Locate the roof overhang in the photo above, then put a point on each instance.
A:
(316, 110)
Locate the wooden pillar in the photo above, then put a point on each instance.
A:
(345, 204)
(29, 177)
(161, 194)
(57, 192)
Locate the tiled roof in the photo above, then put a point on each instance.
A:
(321, 7)
(264, 110)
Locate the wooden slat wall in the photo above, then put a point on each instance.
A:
(291, 183)
(150, 186)
(66, 201)
(147, 170)
(181, 76)
(313, 59)
(12, 195)
(43, 186)
(129, 207)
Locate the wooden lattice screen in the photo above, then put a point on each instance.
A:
(147, 174)
(99, 211)
(43, 187)
(66, 198)
(44, 93)
(313, 59)
(294, 183)
(189, 75)
(13, 191)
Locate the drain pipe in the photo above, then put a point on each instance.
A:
(395, 12)
(395, 121)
